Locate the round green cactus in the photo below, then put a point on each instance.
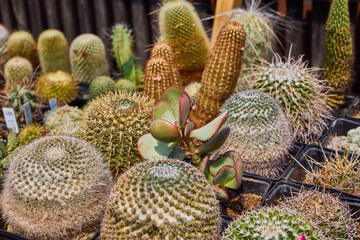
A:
(22, 43)
(63, 115)
(161, 199)
(30, 133)
(101, 85)
(18, 71)
(55, 188)
(88, 58)
(124, 84)
(260, 132)
(53, 51)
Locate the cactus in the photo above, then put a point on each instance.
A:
(221, 73)
(327, 211)
(124, 84)
(352, 142)
(88, 58)
(22, 44)
(101, 85)
(192, 90)
(181, 28)
(12, 141)
(72, 129)
(122, 48)
(63, 115)
(272, 224)
(161, 199)
(114, 123)
(30, 133)
(158, 76)
(59, 85)
(299, 92)
(338, 57)
(18, 71)
(4, 34)
(55, 188)
(53, 51)
(260, 132)
(164, 50)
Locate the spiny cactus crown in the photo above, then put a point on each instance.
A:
(161, 199)
(63, 115)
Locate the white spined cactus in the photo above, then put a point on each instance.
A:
(4, 34)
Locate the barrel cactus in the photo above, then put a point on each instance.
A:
(161, 199)
(4, 34)
(72, 129)
(55, 188)
(22, 44)
(101, 85)
(63, 115)
(18, 71)
(124, 84)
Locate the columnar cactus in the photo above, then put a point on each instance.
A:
(55, 188)
(53, 51)
(22, 44)
(122, 48)
(18, 71)
(260, 132)
(221, 73)
(59, 85)
(101, 85)
(161, 199)
(63, 115)
(338, 60)
(4, 34)
(88, 58)
(298, 91)
(181, 28)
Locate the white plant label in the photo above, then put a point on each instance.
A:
(28, 114)
(53, 103)
(10, 119)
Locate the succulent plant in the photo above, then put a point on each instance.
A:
(124, 84)
(63, 115)
(101, 85)
(114, 123)
(260, 132)
(161, 199)
(327, 211)
(72, 129)
(59, 85)
(30, 133)
(53, 51)
(299, 92)
(88, 58)
(22, 44)
(12, 141)
(192, 90)
(338, 57)
(55, 188)
(221, 73)
(3, 150)
(4, 34)
(122, 48)
(272, 224)
(352, 142)
(18, 71)
(181, 28)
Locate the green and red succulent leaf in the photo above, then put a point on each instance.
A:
(209, 130)
(216, 142)
(149, 147)
(164, 131)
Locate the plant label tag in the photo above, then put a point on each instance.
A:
(28, 114)
(53, 103)
(10, 119)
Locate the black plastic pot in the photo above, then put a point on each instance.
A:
(354, 106)
(78, 102)
(345, 108)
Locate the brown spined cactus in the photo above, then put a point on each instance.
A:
(221, 73)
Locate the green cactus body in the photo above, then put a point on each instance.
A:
(122, 48)
(63, 115)
(299, 92)
(181, 28)
(12, 141)
(260, 132)
(22, 44)
(30, 133)
(164, 50)
(18, 71)
(115, 122)
(3, 150)
(53, 51)
(55, 188)
(101, 85)
(272, 224)
(59, 85)
(192, 90)
(161, 199)
(124, 84)
(88, 58)
(352, 142)
(338, 57)
(72, 129)
(4, 34)
(221, 73)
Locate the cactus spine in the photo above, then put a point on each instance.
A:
(88, 58)
(18, 71)
(53, 51)
(181, 28)
(338, 60)
(221, 73)
(22, 44)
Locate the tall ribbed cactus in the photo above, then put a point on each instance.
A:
(221, 73)
(338, 60)
(122, 48)
(22, 43)
(181, 28)
(18, 71)
(53, 51)
(88, 58)
(4, 34)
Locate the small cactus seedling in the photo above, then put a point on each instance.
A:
(53, 51)
(161, 199)
(124, 84)
(18, 71)
(63, 115)
(352, 142)
(4, 34)
(101, 85)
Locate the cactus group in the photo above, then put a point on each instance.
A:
(63, 115)
(88, 58)
(22, 44)
(55, 188)
(53, 51)
(101, 85)
(161, 199)
(221, 73)
(18, 71)
(338, 56)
